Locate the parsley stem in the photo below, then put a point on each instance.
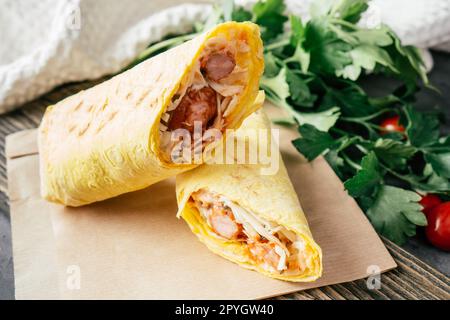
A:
(362, 149)
(368, 125)
(339, 131)
(164, 44)
(353, 164)
(397, 175)
(371, 116)
(364, 124)
(276, 45)
(290, 60)
(345, 23)
(279, 102)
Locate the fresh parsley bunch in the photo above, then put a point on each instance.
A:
(313, 71)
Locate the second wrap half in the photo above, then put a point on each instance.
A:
(250, 218)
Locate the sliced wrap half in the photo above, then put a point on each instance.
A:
(117, 137)
(250, 218)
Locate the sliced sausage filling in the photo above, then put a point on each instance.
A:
(208, 95)
(196, 106)
(218, 66)
(273, 247)
(200, 104)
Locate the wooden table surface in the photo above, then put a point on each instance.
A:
(413, 279)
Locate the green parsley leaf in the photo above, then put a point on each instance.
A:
(241, 15)
(302, 57)
(428, 182)
(440, 163)
(323, 121)
(271, 67)
(393, 153)
(278, 90)
(350, 10)
(441, 146)
(328, 52)
(351, 99)
(380, 37)
(300, 93)
(298, 30)
(396, 212)
(409, 62)
(367, 179)
(313, 142)
(366, 57)
(422, 129)
(269, 15)
(276, 87)
(434, 182)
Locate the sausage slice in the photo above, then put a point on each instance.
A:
(218, 66)
(196, 105)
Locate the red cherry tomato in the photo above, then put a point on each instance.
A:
(438, 229)
(428, 202)
(391, 125)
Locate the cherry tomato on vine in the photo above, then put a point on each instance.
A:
(391, 124)
(429, 201)
(438, 229)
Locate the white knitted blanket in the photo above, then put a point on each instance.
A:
(45, 43)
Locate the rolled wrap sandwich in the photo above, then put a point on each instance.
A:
(117, 136)
(252, 219)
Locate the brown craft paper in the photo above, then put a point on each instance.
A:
(133, 246)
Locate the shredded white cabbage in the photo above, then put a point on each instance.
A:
(231, 106)
(288, 234)
(199, 81)
(165, 117)
(300, 245)
(243, 46)
(254, 226)
(162, 127)
(266, 267)
(204, 212)
(165, 140)
(250, 222)
(226, 90)
(282, 263)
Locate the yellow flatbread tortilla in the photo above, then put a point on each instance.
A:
(264, 207)
(106, 140)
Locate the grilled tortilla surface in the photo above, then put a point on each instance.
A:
(105, 141)
(269, 197)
